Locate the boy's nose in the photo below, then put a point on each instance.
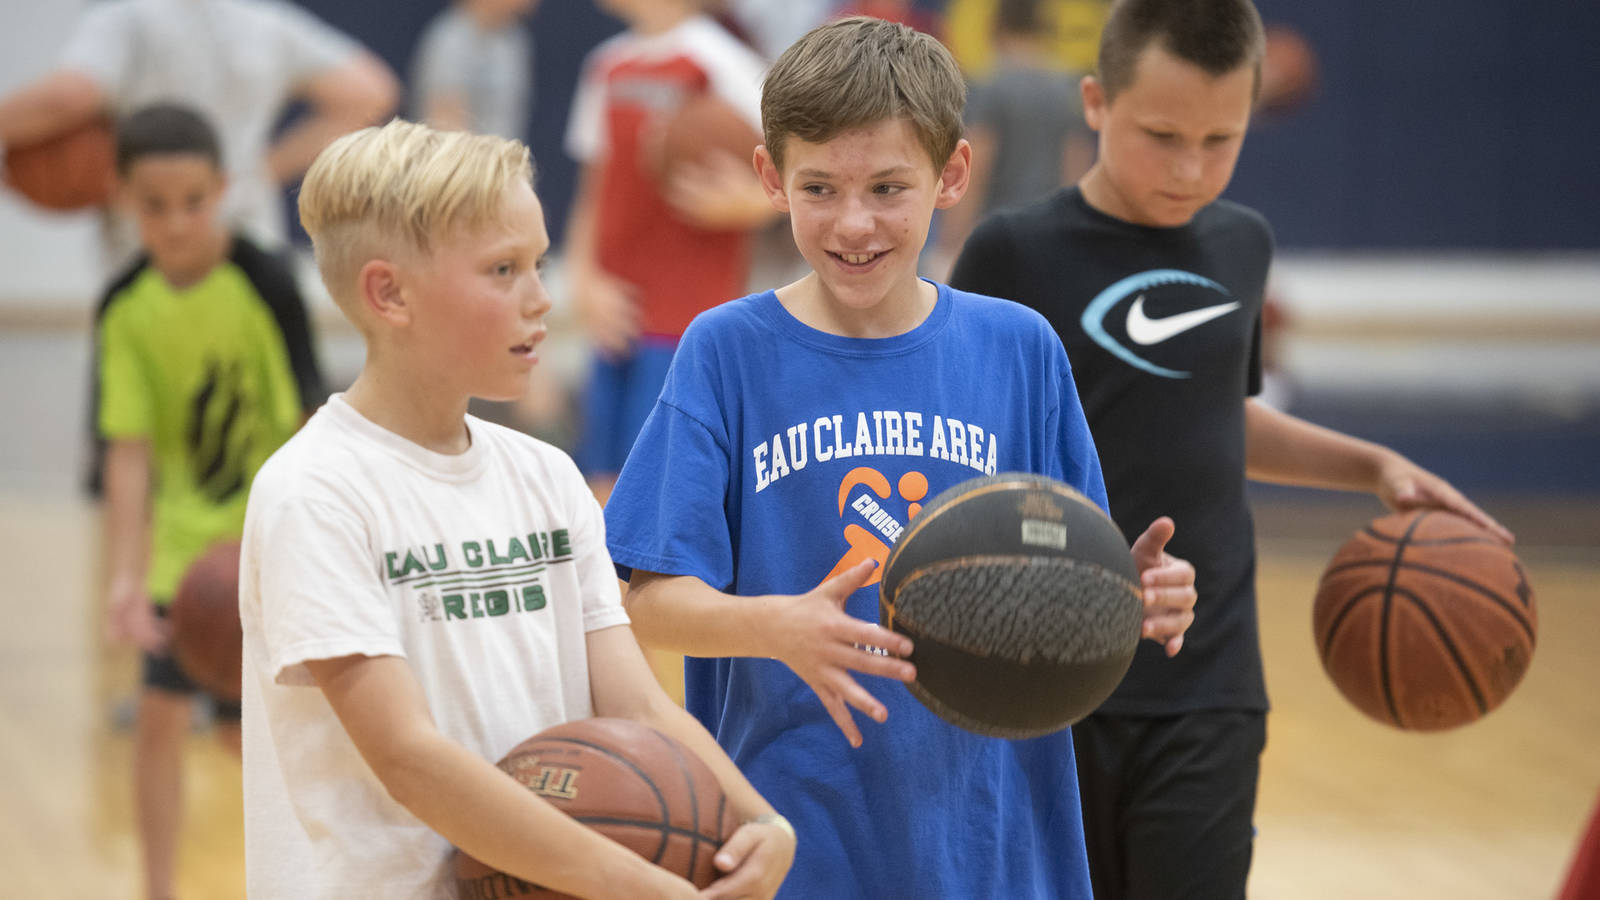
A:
(854, 220)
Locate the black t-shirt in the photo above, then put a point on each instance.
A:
(1163, 330)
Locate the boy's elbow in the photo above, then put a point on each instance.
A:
(361, 92)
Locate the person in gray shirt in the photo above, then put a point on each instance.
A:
(473, 68)
(1024, 121)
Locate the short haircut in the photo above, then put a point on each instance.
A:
(1216, 36)
(859, 71)
(394, 188)
(165, 129)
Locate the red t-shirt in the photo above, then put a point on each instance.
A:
(630, 85)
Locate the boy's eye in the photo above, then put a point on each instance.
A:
(504, 268)
(539, 265)
(815, 190)
(887, 188)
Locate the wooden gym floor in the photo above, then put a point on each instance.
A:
(1349, 809)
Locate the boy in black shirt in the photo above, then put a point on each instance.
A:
(1155, 287)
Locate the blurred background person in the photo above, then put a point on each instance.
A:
(645, 254)
(1024, 121)
(473, 68)
(240, 63)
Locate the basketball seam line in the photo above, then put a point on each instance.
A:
(1383, 622)
(1449, 645)
(1446, 574)
(661, 801)
(694, 801)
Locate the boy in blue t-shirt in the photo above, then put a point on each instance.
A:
(738, 516)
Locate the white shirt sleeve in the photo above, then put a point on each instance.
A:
(586, 125)
(597, 577)
(320, 595)
(102, 45)
(734, 71)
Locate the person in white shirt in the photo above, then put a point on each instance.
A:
(239, 63)
(422, 590)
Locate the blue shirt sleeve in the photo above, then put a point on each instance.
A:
(668, 512)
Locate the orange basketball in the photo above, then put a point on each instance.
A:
(631, 783)
(73, 170)
(1424, 621)
(701, 127)
(206, 636)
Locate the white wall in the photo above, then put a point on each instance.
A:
(46, 259)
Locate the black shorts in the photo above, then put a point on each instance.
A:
(1169, 803)
(162, 672)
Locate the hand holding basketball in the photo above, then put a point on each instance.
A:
(822, 644)
(755, 860)
(1404, 486)
(1168, 586)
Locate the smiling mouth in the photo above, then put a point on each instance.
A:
(858, 259)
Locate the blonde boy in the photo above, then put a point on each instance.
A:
(784, 415)
(420, 589)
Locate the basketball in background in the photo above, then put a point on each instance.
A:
(626, 780)
(74, 170)
(1424, 621)
(206, 636)
(702, 127)
(1022, 600)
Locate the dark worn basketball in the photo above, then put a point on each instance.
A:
(206, 636)
(71, 171)
(1424, 621)
(704, 125)
(631, 783)
(1022, 600)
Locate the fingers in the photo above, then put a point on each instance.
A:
(842, 585)
(737, 848)
(841, 716)
(1148, 549)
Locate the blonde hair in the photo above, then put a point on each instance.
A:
(397, 187)
(859, 71)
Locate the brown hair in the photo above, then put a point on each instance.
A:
(859, 71)
(1216, 36)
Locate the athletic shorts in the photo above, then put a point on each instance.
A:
(1169, 802)
(162, 672)
(620, 395)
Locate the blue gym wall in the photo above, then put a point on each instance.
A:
(1437, 124)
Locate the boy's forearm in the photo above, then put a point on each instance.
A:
(683, 614)
(474, 806)
(674, 720)
(48, 107)
(1283, 449)
(127, 497)
(358, 93)
(464, 797)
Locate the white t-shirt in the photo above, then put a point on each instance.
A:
(238, 62)
(483, 570)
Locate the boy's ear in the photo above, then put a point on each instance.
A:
(1094, 101)
(955, 175)
(379, 288)
(771, 179)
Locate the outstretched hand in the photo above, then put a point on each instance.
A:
(1404, 486)
(1167, 583)
(823, 644)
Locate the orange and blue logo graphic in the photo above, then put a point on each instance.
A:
(873, 527)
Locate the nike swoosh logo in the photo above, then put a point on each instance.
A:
(1144, 331)
(1094, 315)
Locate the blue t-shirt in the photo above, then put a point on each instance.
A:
(778, 454)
